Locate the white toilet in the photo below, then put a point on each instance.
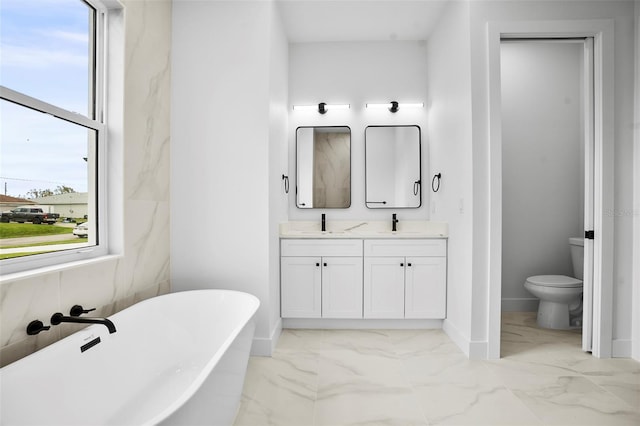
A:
(560, 296)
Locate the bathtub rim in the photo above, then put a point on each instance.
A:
(205, 372)
(213, 361)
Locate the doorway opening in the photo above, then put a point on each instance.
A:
(547, 176)
(600, 248)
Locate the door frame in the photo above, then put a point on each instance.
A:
(603, 91)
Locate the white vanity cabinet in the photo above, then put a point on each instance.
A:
(321, 278)
(405, 278)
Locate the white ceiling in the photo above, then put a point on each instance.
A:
(359, 20)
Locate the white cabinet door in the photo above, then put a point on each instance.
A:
(342, 287)
(426, 287)
(301, 287)
(384, 287)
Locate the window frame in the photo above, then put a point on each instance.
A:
(96, 121)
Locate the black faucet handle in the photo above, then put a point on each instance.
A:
(36, 327)
(77, 310)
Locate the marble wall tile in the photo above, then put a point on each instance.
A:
(77, 285)
(331, 169)
(142, 269)
(147, 95)
(25, 300)
(147, 231)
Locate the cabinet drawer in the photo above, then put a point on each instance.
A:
(425, 247)
(301, 247)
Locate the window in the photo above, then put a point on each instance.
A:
(52, 132)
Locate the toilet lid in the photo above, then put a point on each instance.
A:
(555, 281)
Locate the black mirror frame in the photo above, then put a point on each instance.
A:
(350, 168)
(418, 182)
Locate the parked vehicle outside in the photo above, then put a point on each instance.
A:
(81, 230)
(35, 215)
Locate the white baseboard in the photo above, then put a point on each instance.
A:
(520, 304)
(263, 346)
(621, 348)
(472, 349)
(360, 324)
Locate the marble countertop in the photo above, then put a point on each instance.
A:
(364, 229)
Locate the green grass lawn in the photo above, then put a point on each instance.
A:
(12, 255)
(18, 230)
(75, 240)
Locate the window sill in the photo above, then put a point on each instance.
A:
(36, 272)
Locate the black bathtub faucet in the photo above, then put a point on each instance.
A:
(58, 318)
(324, 222)
(394, 221)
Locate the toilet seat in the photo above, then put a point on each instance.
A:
(559, 281)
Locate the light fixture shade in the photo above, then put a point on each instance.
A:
(305, 107)
(322, 107)
(395, 106)
(338, 106)
(379, 106)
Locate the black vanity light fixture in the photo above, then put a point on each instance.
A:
(395, 106)
(322, 107)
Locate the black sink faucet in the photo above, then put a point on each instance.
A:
(394, 221)
(58, 318)
(324, 222)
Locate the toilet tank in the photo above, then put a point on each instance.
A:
(577, 256)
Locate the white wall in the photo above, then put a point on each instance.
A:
(357, 73)
(229, 68)
(636, 208)
(621, 12)
(542, 163)
(278, 156)
(139, 194)
(449, 105)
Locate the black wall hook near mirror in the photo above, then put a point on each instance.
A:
(435, 182)
(416, 187)
(285, 178)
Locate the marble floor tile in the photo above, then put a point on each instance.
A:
(363, 341)
(360, 403)
(625, 386)
(341, 366)
(299, 340)
(280, 390)
(410, 343)
(419, 377)
(573, 400)
(473, 404)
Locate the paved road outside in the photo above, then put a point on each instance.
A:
(9, 242)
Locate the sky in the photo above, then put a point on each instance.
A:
(44, 47)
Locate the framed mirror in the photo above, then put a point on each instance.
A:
(323, 167)
(393, 167)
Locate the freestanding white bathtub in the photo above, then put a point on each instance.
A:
(177, 359)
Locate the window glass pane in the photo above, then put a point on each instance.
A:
(45, 163)
(46, 51)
